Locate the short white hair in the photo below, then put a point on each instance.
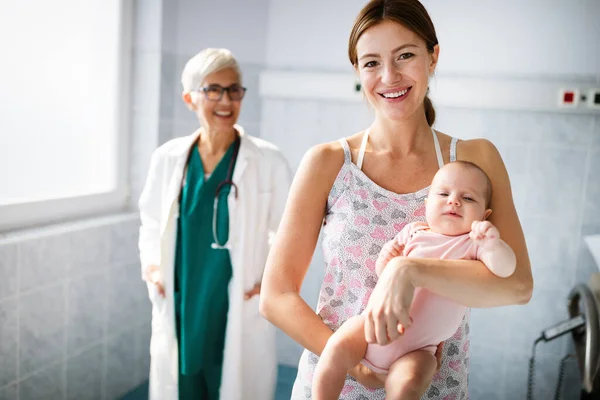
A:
(206, 62)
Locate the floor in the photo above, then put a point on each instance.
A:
(285, 380)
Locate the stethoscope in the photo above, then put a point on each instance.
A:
(222, 185)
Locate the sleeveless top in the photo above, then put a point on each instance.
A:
(361, 216)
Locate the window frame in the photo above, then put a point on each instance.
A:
(56, 210)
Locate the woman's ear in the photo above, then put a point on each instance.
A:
(187, 99)
(487, 213)
(434, 59)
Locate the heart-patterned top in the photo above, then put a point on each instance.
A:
(361, 216)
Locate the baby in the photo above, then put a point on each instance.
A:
(456, 209)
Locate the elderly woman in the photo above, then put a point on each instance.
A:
(211, 201)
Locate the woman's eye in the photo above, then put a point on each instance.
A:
(370, 64)
(406, 56)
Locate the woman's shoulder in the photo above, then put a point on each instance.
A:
(479, 151)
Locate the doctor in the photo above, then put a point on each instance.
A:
(210, 204)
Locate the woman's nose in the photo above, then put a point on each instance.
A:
(391, 74)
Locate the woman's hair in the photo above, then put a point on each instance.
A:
(409, 13)
(206, 62)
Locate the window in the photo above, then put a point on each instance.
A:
(64, 99)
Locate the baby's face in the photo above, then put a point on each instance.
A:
(456, 199)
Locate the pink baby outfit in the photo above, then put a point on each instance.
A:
(361, 217)
(435, 318)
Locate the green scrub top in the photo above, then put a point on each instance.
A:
(202, 276)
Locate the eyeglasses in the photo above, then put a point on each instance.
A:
(215, 92)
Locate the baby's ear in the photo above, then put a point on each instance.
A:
(487, 213)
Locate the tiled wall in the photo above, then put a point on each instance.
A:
(554, 165)
(74, 314)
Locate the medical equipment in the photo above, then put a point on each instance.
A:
(222, 185)
(584, 326)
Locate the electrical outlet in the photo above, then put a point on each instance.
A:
(593, 98)
(568, 98)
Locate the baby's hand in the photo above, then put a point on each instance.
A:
(484, 234)
(389, 250)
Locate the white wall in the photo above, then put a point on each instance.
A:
(512, 37)
(239, 25)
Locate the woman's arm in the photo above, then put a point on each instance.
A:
(472, 284)
(466, 282)
(294, 246)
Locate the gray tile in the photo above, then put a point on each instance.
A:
(586, 265)
(8, 341)
(8, 269)
(516, 370)
(596, 134)
(165, 131)
(251, 105)
(142, 356)
(9, 392)
(516, 159)
(513, 127)
(489, 324)
(84, 375)
(120, 364)
(89, 250)
(546, 308)
(546, 375)
(128, 303)
(44, 260)
(486, 381)
(462, 123)
(552, 168)
(146, 84)
(591, 208)
(124, 242)
(47, 384)
(42, 328)
(167, 81)
(86, 316)
(552, 247)
(567, 129)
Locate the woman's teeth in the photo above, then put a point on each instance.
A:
(223, 113)
(395, 95)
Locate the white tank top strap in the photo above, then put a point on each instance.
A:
(347, 153)
(363, 148)
(453, 149)
(438, 150)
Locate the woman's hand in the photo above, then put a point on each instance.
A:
(252, 292)
(387, 313)
(153, 275)
(366, 377)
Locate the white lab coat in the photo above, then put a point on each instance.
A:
(263, 179)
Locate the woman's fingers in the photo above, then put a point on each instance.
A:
(160, 288)
(252, 292)
(370, 328)
(392, 328)
(381, 328)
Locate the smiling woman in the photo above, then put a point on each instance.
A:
(367, 187)
(209, 206)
